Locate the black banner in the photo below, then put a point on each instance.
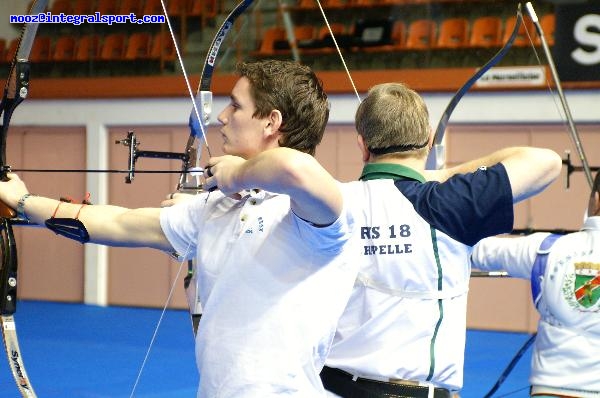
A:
(577, 41)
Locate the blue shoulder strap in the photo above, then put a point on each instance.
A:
(539, 266)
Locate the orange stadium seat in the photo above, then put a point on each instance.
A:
(307, 4)
(59, 6)
(548, 24)
(304, 35)
(421, 34)
(84, 7)
(524, 33)
(162, 48)
(134, 6)
(138, 46)
(153, 7)
(40, 50)
(197, 8)
(113, 47)
(453, 33)
(178, 8)
(267, 45)
(486, 32)
(87, 48)
(64, 49)
(107, 7)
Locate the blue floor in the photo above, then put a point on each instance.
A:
(73, 350)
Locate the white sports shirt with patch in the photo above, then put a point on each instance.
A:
(566, 353)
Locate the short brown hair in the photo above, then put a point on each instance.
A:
(297, 93)
(393, 117)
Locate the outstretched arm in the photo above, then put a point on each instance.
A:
(315, 195)
(529, 169)
(108, 225)
(515, 255)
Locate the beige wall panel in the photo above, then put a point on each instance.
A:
(501, 304)
(327, 150)
(350, 161)
(144, 276)
(466, 142)
(339, 154)
(559, 207)
(50, 267)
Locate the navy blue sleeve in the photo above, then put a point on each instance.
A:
(467, 207)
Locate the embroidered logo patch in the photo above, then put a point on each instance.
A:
(587, 283)
(581, 286)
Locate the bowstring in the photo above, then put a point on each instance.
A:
(338, 50)
(160, 319)
(185, 76)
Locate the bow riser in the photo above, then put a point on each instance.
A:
(15, 91)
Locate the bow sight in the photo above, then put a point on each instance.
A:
(184, 185)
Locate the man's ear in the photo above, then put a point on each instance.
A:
(366, 155)
(431, 137)
(273, 122)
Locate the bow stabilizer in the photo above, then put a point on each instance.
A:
(563, 100)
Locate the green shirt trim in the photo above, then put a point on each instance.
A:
(379, 171)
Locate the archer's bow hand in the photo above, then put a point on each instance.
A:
(176, 197)
(12, 190)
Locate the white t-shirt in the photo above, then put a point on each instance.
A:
(566, 353)
(272, 288)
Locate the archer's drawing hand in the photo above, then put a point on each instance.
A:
(12, 190)
(224, 173)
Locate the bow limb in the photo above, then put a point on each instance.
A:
(565, 105)
(436, 158)
(15, 91)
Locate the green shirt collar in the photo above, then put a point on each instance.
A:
(378, 171)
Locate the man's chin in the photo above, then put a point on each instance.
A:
(228, 150)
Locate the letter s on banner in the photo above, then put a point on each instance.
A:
(587, 33)
(577, 41)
